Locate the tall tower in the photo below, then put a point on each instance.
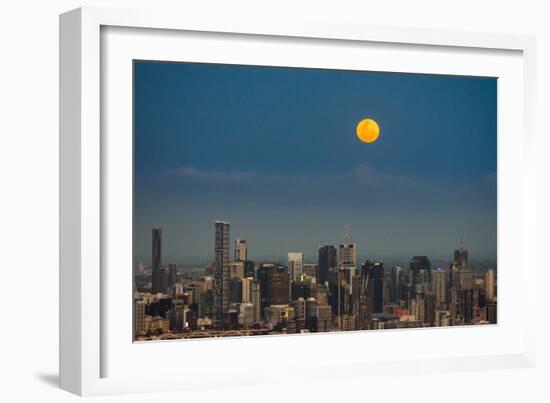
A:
(396, 283)
(327, 260)
(347, 255)
(222, 271)
(255, 298)
(420, 269)
(376, 286)
(240, 250)
(295, 264)
(439, 286)
(490, 285)
(158, 283)
(461, 257)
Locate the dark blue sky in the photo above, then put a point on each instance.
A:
(273, 150)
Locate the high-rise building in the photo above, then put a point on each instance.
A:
(420, 269)
(300, 289)
(222, 271)
(323, 318)
(347, 255)
(461, 257)
(327, 260)
(467, 305)
(255, 299)
(299, 306)
(247, 296)
(172, 274)
(277, 286)
(249, 268)
(176, 316)
(490, 285)
(375, 287)
(295, 264)
(241, 253)
(395, 284)
(157, 247)
(311, 270)
(139, 317)
(237, 269)
(206, 306)
(158, 281)
(439, 286)
(246, 315)
(274, 284)
(236, 290)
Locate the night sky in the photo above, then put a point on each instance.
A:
(273, 150)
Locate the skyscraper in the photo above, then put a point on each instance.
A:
(241, 252)
(395, 285)
(222, 271)
(247, 296)
(439, 286)
(376, 286)
(420, 268)
(157, 247)
(295, 264)
(158, 282)
(467, 305)
(327, 260)
(277, 285)
(274, 284)
(490, 285)
(172, 274)
(347, 255)
(256, 299)
(461, 257)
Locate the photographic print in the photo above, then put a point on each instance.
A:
(275, 200)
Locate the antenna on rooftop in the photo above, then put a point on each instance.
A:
(346, 233)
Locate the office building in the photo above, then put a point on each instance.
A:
(327, 261)
(376, 287)
(439, 286)
(311, 271)
(246, 315)
(396, 278)
(237, 269)
(240, 250)
(247, 283)
(222, 271)
(347, 255)
(158, 281)
(490, 285)
(420, 269)
(172, 274)
(295, 265)
(255, 299)
(461, 257)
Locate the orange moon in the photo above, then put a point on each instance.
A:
(368, 131)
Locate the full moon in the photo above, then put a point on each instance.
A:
(368, 130)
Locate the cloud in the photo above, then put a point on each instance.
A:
(189, 172)
(363, 175)
(368, 176)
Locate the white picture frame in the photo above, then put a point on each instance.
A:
(85, 343)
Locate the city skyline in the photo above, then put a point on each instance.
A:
(238, 297)
(276, 146)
